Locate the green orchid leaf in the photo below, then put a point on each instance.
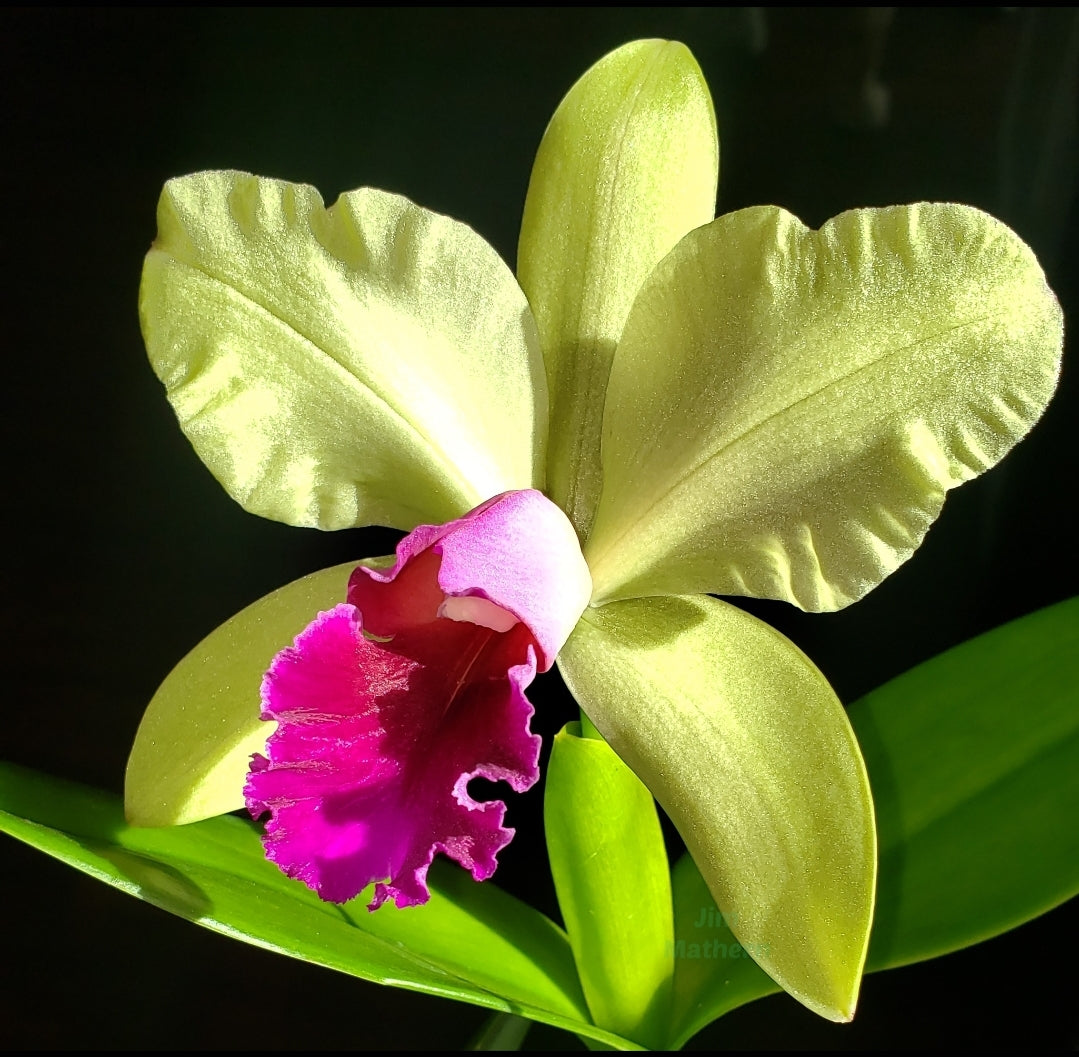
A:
(810, 396)
(713, 972)
(628, 164)
(369, 363)
(614, 887)
(470, 942)
(194, 743)
(974, 761)
(973, 758)
(748, 750)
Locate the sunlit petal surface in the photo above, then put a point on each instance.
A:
(367, 363)
(627, 166)
(788, 407)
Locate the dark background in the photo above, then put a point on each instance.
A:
(122, 552)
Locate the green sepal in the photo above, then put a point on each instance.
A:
(744, 744)
(629, 163)
(613, 882)
(195, 741)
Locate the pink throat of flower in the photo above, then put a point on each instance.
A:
(366, 777)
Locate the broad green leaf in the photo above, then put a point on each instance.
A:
(788, 407)
(628, 164)
(973, 758)
(471, 942)
(369, 363)
(614, 887)
(974, 761)
(713, 972)
(194, 743)
(743, 743)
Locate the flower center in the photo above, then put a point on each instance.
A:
(475, 610)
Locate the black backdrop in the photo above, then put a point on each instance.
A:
(122, 551)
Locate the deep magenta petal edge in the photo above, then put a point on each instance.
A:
(387, 706)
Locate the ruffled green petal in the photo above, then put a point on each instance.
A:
(628, 165)
(191, 752)
(746, 747)
(817, 394)
(370, 363)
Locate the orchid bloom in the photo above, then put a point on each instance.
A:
(664, 408)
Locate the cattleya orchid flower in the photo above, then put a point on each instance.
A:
(661, 407)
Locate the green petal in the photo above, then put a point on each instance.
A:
(370, 363)
(628, 165)
(788, 407)
(470, 942)
(191, 752)
(614, 885)
(748, 750)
